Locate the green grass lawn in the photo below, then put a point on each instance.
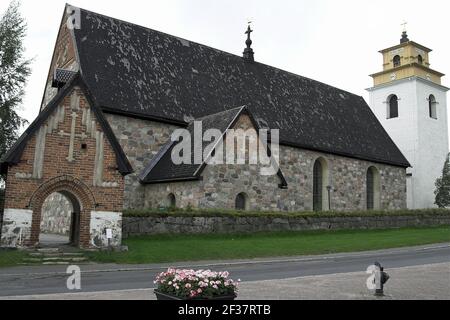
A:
(9, 258)
(157, 249)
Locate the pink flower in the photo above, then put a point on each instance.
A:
(199, 291)
(188, 286)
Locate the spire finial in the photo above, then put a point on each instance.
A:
(248, 52)
(404, 33)
(404, 24)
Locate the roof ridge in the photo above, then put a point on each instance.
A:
(154, 81)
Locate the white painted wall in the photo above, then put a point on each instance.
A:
(423, 140)
(100, 221)
(16, 229)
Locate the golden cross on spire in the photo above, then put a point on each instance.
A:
(404, 25)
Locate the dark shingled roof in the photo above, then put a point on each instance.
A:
(141, 72)
(162, 168)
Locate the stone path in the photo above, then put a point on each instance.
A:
(51, 240)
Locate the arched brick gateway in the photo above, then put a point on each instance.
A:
(70, 149)
(77, 192)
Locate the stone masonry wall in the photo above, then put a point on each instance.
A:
(141, 140)
(226, 225)
(56, 215)
(222, 183)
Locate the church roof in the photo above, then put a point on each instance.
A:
(136, 71)
(163, 169)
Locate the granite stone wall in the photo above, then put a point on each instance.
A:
(221, 184)
(141, 140)
(56, 215)
(137, 226)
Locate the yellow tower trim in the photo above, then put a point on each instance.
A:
(405, 60)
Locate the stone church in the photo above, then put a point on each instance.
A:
(117, 91)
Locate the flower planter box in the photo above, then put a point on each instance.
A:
(165, 297)
(195, 285)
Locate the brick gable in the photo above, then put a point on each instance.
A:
(68, 152)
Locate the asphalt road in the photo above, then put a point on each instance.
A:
(46, 280)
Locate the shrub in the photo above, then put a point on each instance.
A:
(234, 213)
(442, 191)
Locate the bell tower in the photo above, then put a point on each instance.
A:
(410, 101)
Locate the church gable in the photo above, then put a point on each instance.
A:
(70, 149)
(69, 142)
(244, 131)
(64, 57)
(237, 122)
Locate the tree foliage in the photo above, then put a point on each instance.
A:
(442, 191)
(14, 71)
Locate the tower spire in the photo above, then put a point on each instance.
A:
(249, 54)
(404, 33)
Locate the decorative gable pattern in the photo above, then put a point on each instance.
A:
(68, 148)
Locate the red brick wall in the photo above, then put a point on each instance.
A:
(20, 191)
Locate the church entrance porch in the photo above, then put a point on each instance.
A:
(60, 220)
(61, 213)
(76, 222)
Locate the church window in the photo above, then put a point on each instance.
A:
(171, 201)
(241, 201)
(420, 59)
(320, 184)
(373, 189)
(397, 62)
(392, 111)
(432, 107)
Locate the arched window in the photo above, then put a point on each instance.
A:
(432, 106)
(420, 59)
(397, 62)
(241, 201)
(320, 184)
(171, 201)
(392, 111)
(373, 189)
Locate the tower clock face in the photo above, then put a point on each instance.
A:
(393, 76)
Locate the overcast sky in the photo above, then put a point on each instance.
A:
(333, 41)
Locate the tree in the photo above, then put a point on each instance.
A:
(442, 191)
(14, 71)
